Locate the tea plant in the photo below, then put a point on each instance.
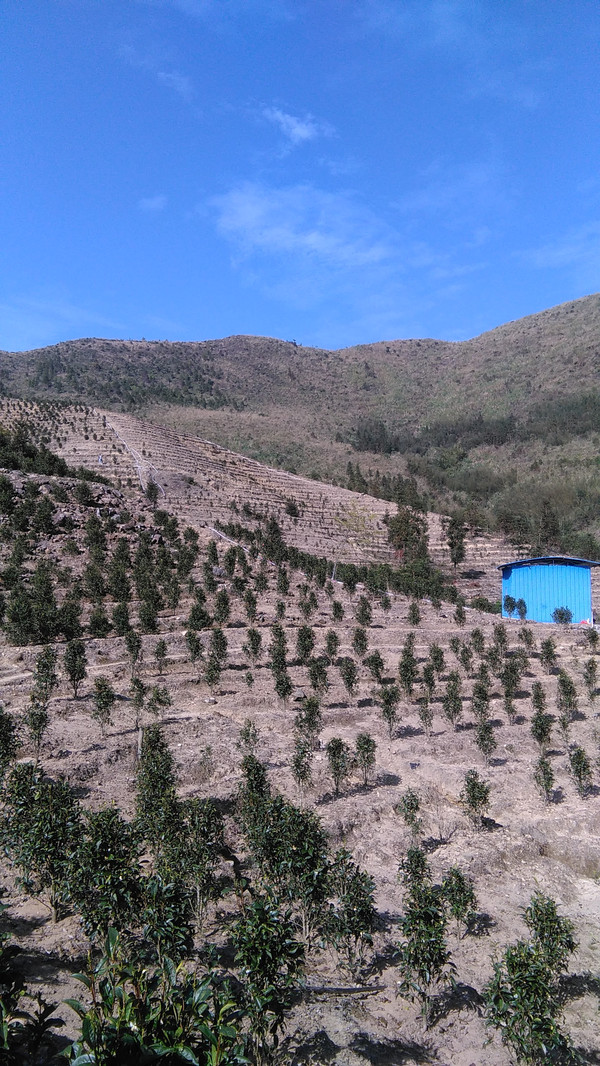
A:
(309, 720)
(590, 678)
(522, 998)
(338, 756)
(543, 776)
(485, 739)
(475, 797)
(305, 643)
(388, 698)
(75, 664)
(375, 665)
(249, 737)
(425, 712)
(142, 1013)
(41, 829)
(408, 667)
(477, 641)
(581, 769)
(365, 755)
(302, 763)
(424, 957)
(451, 700)
(155, 785)
(348, 673)
(104, 698)
(9, 741)
(548, 654)
(541, 729)
(351, 915)
(332, 644)
(436, 658)
(106, 882)
(160, 655)
(359, 641)
(459, 895)
(253, 645)
(271, 960)
(409, 807)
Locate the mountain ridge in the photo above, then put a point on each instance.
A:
(408, 379)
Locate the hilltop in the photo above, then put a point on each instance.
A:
(505, 371)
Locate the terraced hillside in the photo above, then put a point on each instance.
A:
(205, 485)
(503, 426)
(525, 844)
(220, 654)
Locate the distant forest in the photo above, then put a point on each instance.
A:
(554, 421)
(535, 513)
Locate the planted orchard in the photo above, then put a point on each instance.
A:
(360, 697)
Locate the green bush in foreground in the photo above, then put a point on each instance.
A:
(522, 999)
(142, 1014)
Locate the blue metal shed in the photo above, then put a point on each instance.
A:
(548, 582)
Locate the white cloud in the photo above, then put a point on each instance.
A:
(462, 195)
(154, 64)
(219, 10)
(296, 130)
(579, 247)
(334, 257)
(331, 228)
(152, 204)
(486, 39)
(179, 83)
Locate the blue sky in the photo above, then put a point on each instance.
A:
(330, 171)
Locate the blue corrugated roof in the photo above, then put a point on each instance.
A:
(549, 582)
(561, 559)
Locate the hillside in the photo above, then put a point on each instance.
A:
(505, 371)
(501, 427)
(211, 650)
(207, 486)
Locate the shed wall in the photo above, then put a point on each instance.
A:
(545, 586)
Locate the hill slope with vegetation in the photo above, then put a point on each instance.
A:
(508, 371)
(276, 807)
(502, 429)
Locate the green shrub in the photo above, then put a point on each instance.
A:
(475, 796)
(522, 998)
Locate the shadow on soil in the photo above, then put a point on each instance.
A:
(407, 731)
(587, 1057)
(460, 997)
(320, 1048)
(480, 925)
(389, 1052)
(489, 825)
(41, 967)
(382, 960)
(353, 790)
(387, 779)
(574, 985)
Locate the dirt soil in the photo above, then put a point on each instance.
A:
(525, 844)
